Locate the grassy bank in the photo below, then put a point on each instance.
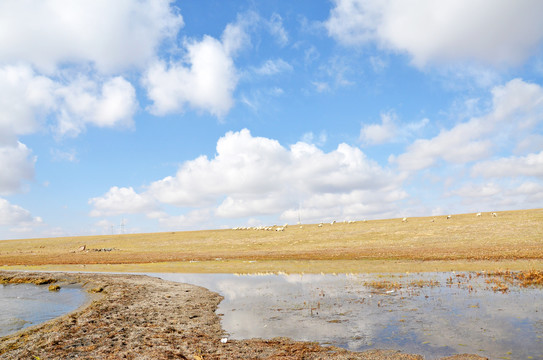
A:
(512, 240)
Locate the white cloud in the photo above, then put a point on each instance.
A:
(206, 77)
(119, 201)
(380, 133)
(251, 176)
(390, 130)
(275, 25)
(16, 216)
(85, 102)
(310, 138)
(205, 81)
(531, 143)
(29, 100)
(192, 218)
(506, 195)
(503, 32)
(26, 99)
(64, 155)
(321, 86)
(243, 164)
(17, 164)
(272, 67)
(529, 165)
(516, 108)
(111, 35)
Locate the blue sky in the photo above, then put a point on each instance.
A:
(187, 115)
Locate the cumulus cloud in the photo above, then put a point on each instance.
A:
(490, 32)
(26, 99)
(119, 201)
(516, 108)
(30, 99)
(15, 216)
(380, 133)
(205, 80)
(251, 176)
(84, 101)
(17, 164)
(529, 165)
(110, 35)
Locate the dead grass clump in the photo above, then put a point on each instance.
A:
(523, 279)
(530, 278)
(424, 283)
(26, 280)
(383, 285)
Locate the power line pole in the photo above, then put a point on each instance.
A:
(121, 226)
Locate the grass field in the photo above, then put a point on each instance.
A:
(512, 240)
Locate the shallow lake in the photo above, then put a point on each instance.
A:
(449, 314)
(24, 305)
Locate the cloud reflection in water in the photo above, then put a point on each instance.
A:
(343, 311)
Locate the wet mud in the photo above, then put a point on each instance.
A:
(140, 317)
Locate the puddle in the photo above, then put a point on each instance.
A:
(24, 305)
(455, 315)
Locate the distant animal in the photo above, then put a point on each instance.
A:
(479, 214)
(449, 217)
(320, 225)
(404, 220)
(494, 214)
(433, 220)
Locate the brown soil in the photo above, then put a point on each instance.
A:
(138, 317)
(512, 236)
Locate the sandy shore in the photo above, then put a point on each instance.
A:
(139, 317)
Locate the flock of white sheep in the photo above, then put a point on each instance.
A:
(282, 228)
(265, 228)
(493, 214)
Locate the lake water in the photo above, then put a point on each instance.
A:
(24, 305)
(460, 315)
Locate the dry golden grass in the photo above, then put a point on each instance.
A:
(514, 239)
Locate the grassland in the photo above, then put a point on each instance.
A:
(512, 240)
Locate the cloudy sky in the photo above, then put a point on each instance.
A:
(208, 114)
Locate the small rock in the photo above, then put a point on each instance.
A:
(54, 287)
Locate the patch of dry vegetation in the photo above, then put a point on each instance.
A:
(501, 280)
(513, 236)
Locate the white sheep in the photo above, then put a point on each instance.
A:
(479, 214)
(449, 217)
(320, 225)
(280, 229)
(404, 219)
(494, 214)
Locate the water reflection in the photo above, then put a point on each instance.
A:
(463, 317)
(24, 305)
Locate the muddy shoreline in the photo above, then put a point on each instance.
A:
(140, 317)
